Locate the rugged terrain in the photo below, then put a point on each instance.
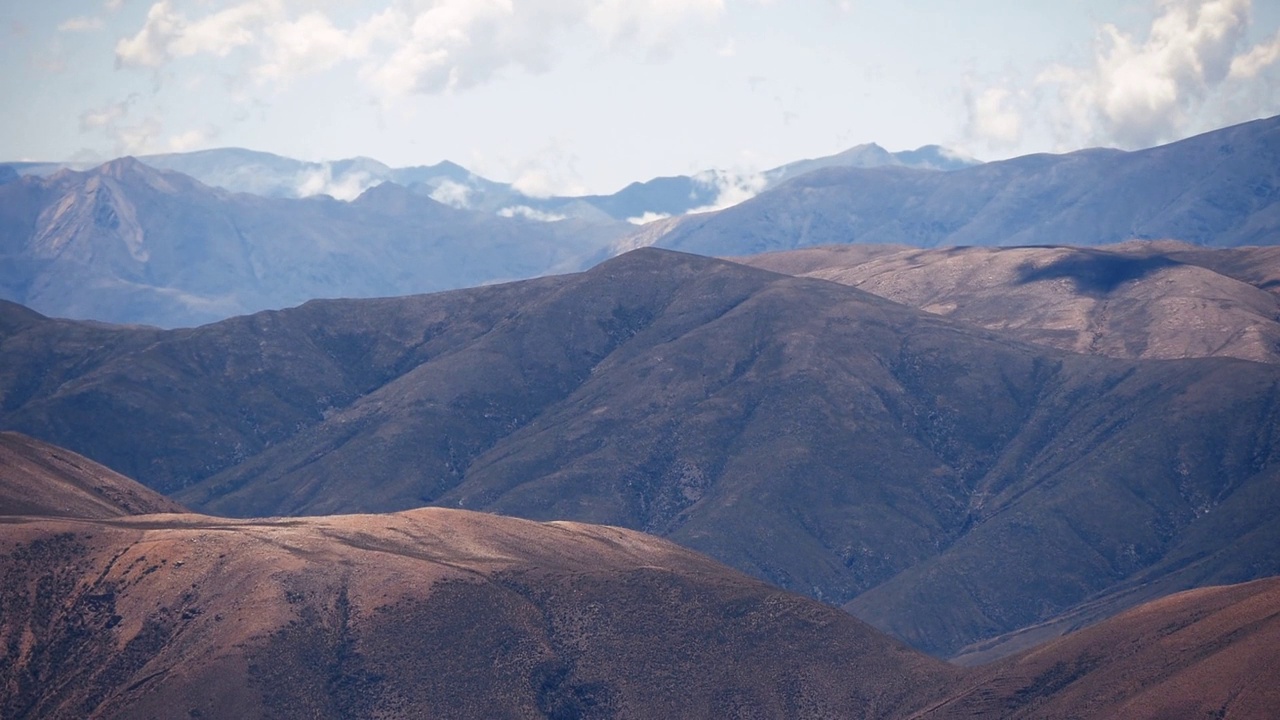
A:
(428, 613)
(438, 612)
(1132, 300)
(1219, 189)
(954, 484)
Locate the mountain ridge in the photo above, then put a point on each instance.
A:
(890, 454)
(1217, 189)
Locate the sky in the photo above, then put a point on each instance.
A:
(577, 96)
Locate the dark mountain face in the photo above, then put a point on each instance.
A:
(1133, 300)
(1219, 189)
(127, 243)
(954, 484)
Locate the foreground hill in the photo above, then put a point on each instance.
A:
(131, 244)
(39, 479)
(953, 484)
(1133, 300)
(1220, 189)
(429, 613)
(452, 613)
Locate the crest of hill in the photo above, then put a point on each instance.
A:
(1159, 300)
(43, 480)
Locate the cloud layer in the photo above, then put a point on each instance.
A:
(1136, 91)
(404, 46)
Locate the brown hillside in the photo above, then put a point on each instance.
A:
(1132, 300)
(1207, 653)
(428, 613)
(40, 479)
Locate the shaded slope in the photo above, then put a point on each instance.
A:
(39, 479)
(814, 435)
(430, 613)
(1203, 653)
(1134, 300)
(1218, 189)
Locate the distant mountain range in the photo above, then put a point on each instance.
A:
(1219, 189)
(128, 243)
(268, 175)
(951, 483)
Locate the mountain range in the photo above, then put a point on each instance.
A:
(245, 171)
(1219, 189)
(128, 243)
(949, 483)
(452, 613)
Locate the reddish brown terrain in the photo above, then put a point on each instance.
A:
(449, 613)
(1133, 300)
(1205, 653)
(428, 613)
(41, 479)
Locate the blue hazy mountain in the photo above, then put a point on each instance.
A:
(276, 176)
(128, 243)
(1218, 189)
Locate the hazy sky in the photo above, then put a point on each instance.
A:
(587, 95)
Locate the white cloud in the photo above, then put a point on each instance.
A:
(731, 187)
(1139, 92)
(994, 117)
(168, 34)
(189, 140)
(313, 43)
(1259, 58)
(647, 218)
(650, 24)
(96, 119)
(82, 23)
(113, 5)
(407, 46)
(320, 181)
(453, 194)
(529, 213)
(1188, 72)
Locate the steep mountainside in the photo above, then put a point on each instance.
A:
(954, 484)
(127, 243)
(429, 613)
(1220, 189)
(1133, 300)
(42, 480)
